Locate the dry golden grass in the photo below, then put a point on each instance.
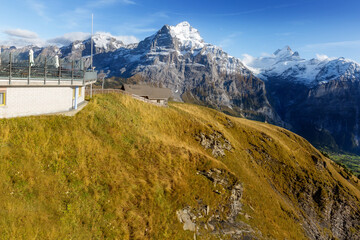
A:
(121, 168)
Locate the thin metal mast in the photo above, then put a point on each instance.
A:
(92, 32)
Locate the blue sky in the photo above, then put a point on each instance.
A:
(256, 27)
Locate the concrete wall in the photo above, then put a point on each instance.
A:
(25, 101)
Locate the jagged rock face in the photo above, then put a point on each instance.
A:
(319, 98)
(177, 57)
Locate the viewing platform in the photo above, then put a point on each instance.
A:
(26, 73)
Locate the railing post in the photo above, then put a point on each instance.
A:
(84, 70)
(72, 72)
(91, 90)
(45, 72)
(10, 65)
(29, 71)
(59, 71)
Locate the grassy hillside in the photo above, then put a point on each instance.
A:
(121, 169)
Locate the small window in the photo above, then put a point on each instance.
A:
(2, 98)
(74, 92)
(80, 91)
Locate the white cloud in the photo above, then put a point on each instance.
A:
(68, 38)
(22, 42)
(21, 38)
(128, 39)
(247, 59)
(355, 43)
(21, 33)
(265, 54)
(322, 57)
(124, 39)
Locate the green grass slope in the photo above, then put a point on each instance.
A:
(121, 169)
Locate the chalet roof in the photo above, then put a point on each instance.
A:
(147, 91)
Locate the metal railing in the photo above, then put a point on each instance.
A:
(28, 73)
(91, 92)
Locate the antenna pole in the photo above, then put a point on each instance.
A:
(92, 32)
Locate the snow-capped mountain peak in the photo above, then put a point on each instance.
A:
(188, 36)
(286, 64)
(105, 40)
(285, 53)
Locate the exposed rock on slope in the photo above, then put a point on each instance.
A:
(214, 141)
(221, 221)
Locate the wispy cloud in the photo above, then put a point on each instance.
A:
(124, 39)
(323, 57)
(24, 38)
(229, 39)
(244, 12)
(75, 18)
(144, 24)
(160, 15)
(355, 43)
(105, 3)
(128, 2)
(21, 42)
(68, 38)
(21, 37)
(285, 34)
(21, 33)
(128, 39)
(39, 8)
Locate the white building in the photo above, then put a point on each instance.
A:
(27, 90)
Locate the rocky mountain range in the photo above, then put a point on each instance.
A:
(317, 98)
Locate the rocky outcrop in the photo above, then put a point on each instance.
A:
(218, 220)
(214, 141)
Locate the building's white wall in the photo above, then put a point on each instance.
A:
(81, 97)
(24, 101)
